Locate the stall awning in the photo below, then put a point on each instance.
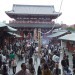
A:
(14, 34)
(2, 25)
(70, 37)
(11, 29)
(6, 27)
(57, 34)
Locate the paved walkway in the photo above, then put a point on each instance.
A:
(23, 61)
(38, 63)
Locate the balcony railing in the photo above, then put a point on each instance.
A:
(31, 22)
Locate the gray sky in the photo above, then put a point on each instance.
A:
(67, 9)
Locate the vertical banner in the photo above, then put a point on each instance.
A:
(39, 40)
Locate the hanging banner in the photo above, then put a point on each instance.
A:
(39, 40)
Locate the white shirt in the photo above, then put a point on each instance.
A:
(55, 58)
(3, 58)
(49, 51)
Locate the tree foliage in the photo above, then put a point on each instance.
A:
(70, 29)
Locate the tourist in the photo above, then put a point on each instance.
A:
(73, 63)
(23, 70)
(30, 66)
(0, 59)
(56, 70)
(39, 71)
(64, 64)
(14, 65)
(4, 69)
(4, 59)
(67, 60)
(35, 56)
(46, 70)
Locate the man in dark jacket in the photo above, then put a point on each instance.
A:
(64, 63)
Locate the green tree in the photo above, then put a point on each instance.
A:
(70, 29)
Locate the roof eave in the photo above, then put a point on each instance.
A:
(34, 26)
(9, 13)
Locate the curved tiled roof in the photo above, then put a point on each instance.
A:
(33, 9)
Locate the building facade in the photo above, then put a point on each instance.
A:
(29, 18)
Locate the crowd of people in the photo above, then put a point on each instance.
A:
(49, 59)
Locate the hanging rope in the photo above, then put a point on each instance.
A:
(56, 20)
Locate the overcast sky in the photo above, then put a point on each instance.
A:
(67, 9)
